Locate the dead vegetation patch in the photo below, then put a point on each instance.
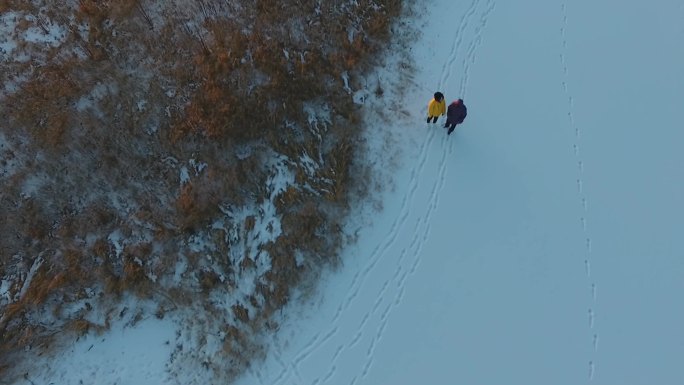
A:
(130, 138)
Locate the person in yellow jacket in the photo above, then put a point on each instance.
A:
(436, 107)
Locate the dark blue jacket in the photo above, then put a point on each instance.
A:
(456, 112)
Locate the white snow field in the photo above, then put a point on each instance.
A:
(125, 355)
(541, 243)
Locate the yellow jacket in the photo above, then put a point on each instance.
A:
(436, 108)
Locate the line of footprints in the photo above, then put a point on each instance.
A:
(580, 191)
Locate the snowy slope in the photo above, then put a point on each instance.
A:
(540, 243)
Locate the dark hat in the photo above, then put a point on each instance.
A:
(439, 96)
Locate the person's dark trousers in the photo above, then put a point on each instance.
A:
(451, 127)
(434, 119)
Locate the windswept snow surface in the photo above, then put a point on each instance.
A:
(541, 242)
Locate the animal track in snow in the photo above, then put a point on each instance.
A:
(581, 193)
(587, 267)
(595, 342)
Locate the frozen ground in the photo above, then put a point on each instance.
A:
(126, 355)
(539, 244)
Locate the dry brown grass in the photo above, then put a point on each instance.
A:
(103, 123)
(241, 312)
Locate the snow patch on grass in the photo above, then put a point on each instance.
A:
(29, 277)
(5, 296)
(32, 184)
(184, 175)
(45, 33)
(39, 32)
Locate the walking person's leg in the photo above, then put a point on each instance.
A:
(451, 128)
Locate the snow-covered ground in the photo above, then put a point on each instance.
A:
(540, 243)
(126, 355)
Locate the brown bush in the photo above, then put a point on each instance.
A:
(209, 280)
(240, 312)
(82, 327)
(43, 285)
(197, 204)
(134, 277)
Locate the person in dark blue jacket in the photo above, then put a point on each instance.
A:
(456, 113)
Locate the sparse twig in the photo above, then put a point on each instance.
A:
(144, 14)
(42, 24)
(197, 34)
